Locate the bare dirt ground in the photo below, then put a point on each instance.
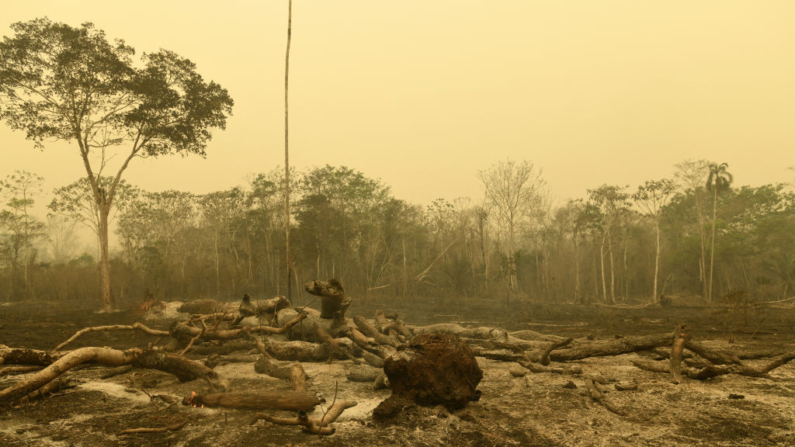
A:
(522, 410)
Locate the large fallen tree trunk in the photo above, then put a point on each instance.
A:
(105, 356)
(184, 369)
(613, 347)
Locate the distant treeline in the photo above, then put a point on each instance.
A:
(514, 243)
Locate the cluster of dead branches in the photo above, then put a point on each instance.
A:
(283, 337)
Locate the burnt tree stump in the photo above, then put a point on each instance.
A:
(432, 369)
(332, 294)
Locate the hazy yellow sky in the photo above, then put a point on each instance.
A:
(423, 94)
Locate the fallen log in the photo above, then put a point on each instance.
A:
(18, 369)
(502, 355)
(542, 356)
(182, 331)
(494, 333)
(51, 387)
(370, 331)
(257, 400)
(613, 347)
(104, 356)
(529, 335)
(204, 307)
(308, 329)
(363, 374)
(184, 369)
(562, 369)
(715, 356)
(274, 368)
(262, 307)
(332, 294)
(24, 356)
(711, 371)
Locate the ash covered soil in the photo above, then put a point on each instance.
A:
(516, 407)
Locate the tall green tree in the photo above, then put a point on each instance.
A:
(719, 180)
(72, 84)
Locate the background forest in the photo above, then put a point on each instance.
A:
(620, 244)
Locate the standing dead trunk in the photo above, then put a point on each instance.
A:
(656, 260)
(612, 271)
(576, 269)
(712, 251)
(602, 263)
(108, 302)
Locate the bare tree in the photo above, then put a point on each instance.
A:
(515, 190)
(692, 174)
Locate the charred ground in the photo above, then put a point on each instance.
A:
(517, 407)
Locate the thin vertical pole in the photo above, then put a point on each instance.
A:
(287, 150)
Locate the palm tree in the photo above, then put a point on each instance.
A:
(718, 181)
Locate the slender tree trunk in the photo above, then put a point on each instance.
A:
(576, 270)
(656, 260)
(612, 271)
(26, 246)
(712, 251)
(217, 269)
(602, 262)
(405, 270)
(108, 302)
(482, 232)
(702, 274)
(287, 150)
